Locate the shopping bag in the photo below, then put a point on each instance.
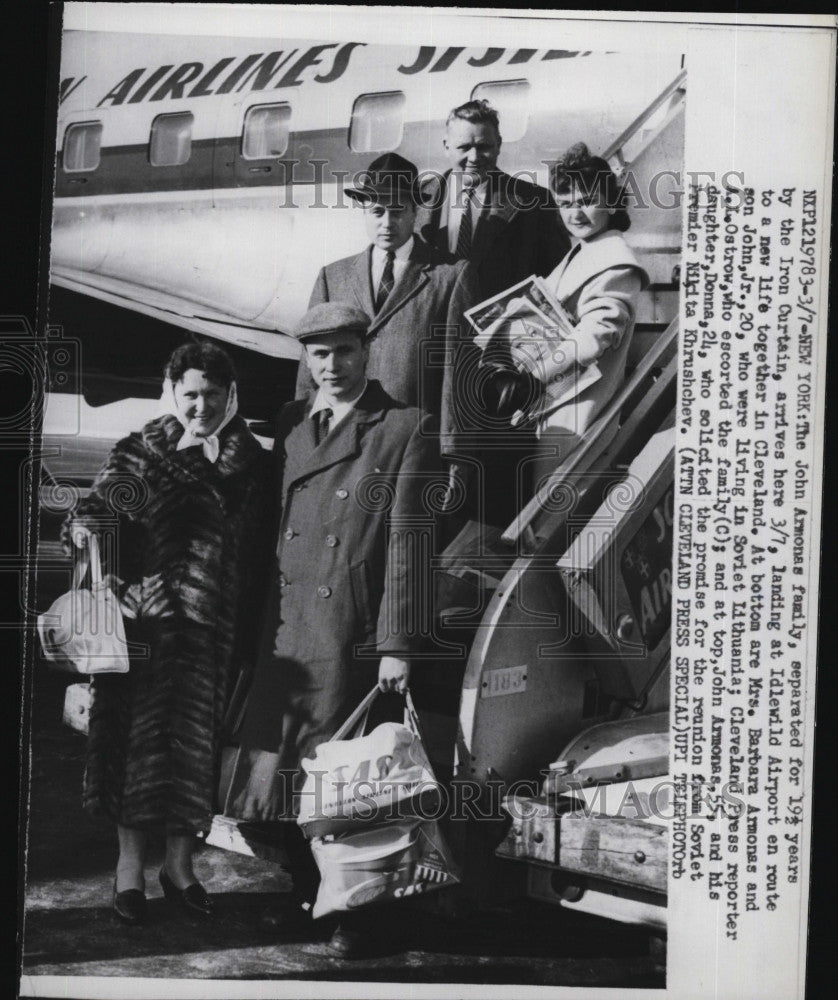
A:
(384, 776)
(252, 838)
(379, 864)
(83, 632)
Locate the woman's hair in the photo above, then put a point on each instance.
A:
(591, 174)
(213, 361)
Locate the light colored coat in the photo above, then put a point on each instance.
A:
(598, 283)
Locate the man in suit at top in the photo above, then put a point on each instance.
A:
(347, 607)
(507, 227)
(418, 336)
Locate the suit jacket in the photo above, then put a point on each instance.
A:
(418, 339)
(350, 579)
(518, 235)
(598, 285)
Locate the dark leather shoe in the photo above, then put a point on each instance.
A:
(130, 905)
(348, 941)
(370, 931)
(193, 898)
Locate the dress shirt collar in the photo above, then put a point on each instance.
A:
(379, 262)
(402, 254)
(339, 409)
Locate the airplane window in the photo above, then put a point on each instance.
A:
(377, 122)
(511, 100)
(266, 131)
(171, 139)
(82, 142)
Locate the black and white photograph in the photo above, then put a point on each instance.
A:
(425, 523)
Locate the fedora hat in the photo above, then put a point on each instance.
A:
(388, 179)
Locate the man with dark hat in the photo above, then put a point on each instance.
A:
(417, 335)
(353, 467)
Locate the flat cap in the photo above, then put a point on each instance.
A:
(332, 317)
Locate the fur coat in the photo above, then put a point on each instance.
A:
(185, 539)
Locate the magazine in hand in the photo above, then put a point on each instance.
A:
(530, 298)
(531, 323)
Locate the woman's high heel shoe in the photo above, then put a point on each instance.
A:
(193, 898)
(130, 905)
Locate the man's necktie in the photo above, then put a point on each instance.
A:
(466, 227)
(321, 424)
(385, 286)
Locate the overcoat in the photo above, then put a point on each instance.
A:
(189, 538)
(351, 581)
(598, 284)
(519, 234)
(419, 340)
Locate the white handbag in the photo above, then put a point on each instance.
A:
(83, 632)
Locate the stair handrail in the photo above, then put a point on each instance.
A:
(616, 147)
(523, 520)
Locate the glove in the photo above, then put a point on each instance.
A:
(507, 390)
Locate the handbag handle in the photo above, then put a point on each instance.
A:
(412, 722)
(362, 711)
(411, 717)
(89, 559)
(410, 714)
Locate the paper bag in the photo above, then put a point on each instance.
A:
(381, 864)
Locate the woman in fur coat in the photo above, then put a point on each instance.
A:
(184, 501)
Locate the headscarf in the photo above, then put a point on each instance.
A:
(209, 443)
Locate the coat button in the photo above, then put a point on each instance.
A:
(341, 494)
(331, 540)
(324, 591)
(282, 581)
(289, 534)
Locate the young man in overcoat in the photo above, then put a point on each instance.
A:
(350, 604)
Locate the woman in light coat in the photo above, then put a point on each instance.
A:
(598, 282)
